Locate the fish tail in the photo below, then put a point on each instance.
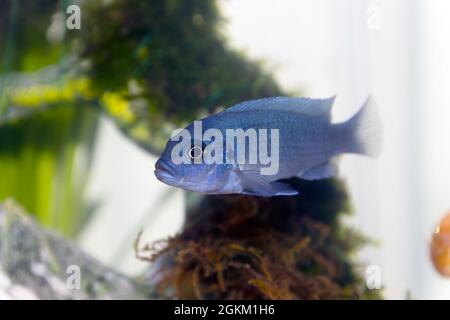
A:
(365, 130)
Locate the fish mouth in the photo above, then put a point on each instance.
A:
(164, 172)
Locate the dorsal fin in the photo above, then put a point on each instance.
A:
(313, 107)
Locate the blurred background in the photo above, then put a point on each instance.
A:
(85, 111)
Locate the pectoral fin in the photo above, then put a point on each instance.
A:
(253, 183)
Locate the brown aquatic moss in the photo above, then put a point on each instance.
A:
(243, 247)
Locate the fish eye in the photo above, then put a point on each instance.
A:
(195, 152)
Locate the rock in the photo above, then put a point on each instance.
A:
(39, 264)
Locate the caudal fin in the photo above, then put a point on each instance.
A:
(365, 130)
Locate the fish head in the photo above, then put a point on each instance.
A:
(183, 165)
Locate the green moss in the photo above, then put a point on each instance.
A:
(243, 247)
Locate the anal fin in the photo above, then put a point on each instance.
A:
(326, 170)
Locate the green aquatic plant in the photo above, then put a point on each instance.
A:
(44, 162)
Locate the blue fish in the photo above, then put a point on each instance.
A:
(305, 144)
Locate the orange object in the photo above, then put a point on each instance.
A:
(440, 246)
